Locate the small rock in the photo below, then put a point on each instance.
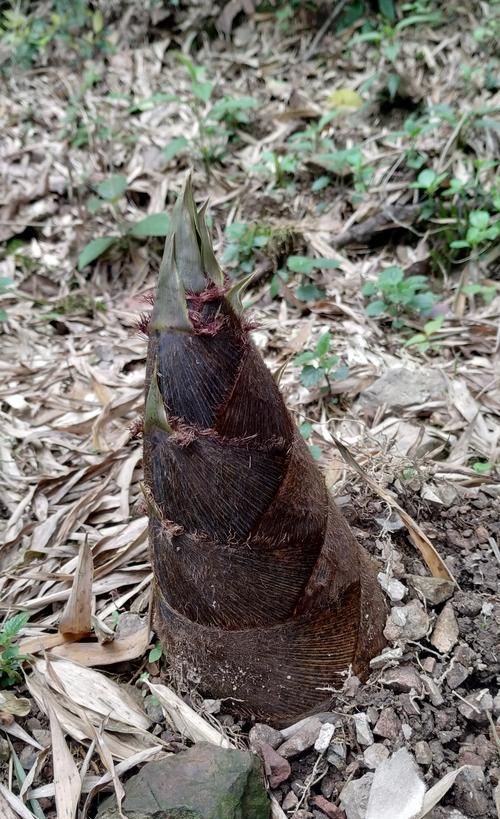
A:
(202, 782)
(475, 706)
(324, 737)
(423, 753)
(153, 708)
(387, 656)
(328, 808)
(470, 792)
(264, 733)
(27, 757)
(446, 632)
(302, 740)
(337, 756)
(434, 589)
(456, 675)
(375, 754)
(432, 690)
(392, 587)
(429, 664)
(351, 686)
(407, 731)
(482, 534)
(290, 801)
(277, 768)
(363, 731)
(409, 622)
(403, 679)
(468, 757)
(303, 814)
(388, 724)
(354, 796)
(43, 737)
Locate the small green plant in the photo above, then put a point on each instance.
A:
(482, 290)
(280, 167)
(217, 123)
(397, 295)
(306, 430)
(481, 230)
(483, 467)
(306, 266)
(425, 340)
(345, 162)
(319, 365)
(244, 240)
(109, 193)
(155, 653)
(11, 659)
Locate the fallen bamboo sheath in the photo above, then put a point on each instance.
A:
(261, 591)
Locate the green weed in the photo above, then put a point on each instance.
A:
(397, 296)
(11, 659)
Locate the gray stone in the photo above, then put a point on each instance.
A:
(290, 801)
(302, 740)
(363, 731)
(27, 757)
(337, 756)
(433, 690)
(354, 796)
(434, 589)
(456, 675)
(324, 737)
(400, 387)
(204, 782)
(409, 622)
(392, 587)
(375, 754)
(445, 633)
(153, 708)
(470, 791)
(388, 724)
(403, 679)
(475, 706)
(276, 767)
(423, 753)
(264, 733)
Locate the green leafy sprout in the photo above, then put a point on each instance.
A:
(396, 295)
(11, 659)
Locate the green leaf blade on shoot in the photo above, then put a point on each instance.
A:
(156, 224)
(94, 249)
(111, 189)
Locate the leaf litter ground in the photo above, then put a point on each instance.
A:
(74, 553)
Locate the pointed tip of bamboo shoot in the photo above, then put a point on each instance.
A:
(187, 240)
(209, 259)
(155, 416)
(170, 311)
(236, 291)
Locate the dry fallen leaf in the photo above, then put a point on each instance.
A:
(185, 720)
(67, 780)
(76, 618)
